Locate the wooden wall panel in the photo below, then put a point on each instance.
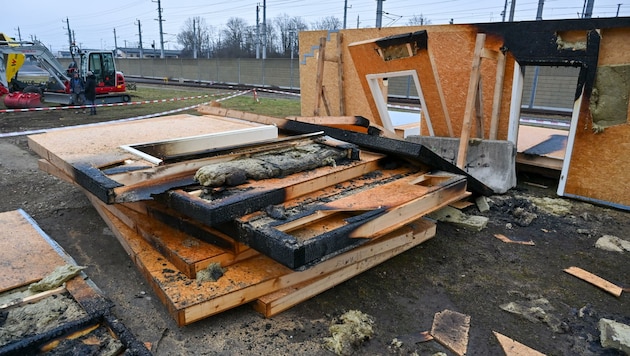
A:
(452, 49)
(599, 163)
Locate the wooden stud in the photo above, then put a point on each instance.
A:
(470, 101)
(340, 74)
(498, 96)
(320, 75)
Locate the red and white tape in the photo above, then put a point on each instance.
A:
(71, 107)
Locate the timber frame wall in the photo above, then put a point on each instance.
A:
(596, 162)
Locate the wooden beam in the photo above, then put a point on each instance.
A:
(340, 74)
(320, 75)
(498, 96)
(479, 110)
(440, 91)
(470, 101)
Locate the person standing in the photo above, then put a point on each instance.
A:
(90, 92)
(78, 89)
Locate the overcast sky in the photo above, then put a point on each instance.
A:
(93, 22)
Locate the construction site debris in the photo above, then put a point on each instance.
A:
(450, 329)
(612, 243)
(615, 335)
(349, 332)
(512, 347)
(508, 240)
(555, 206)
(537, 310)
(456, 217)
(523, 217)
(56, 278)
(267, 165)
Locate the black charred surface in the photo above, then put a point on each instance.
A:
(536, 43)
(132, 345)
(223, 210)
(285, 249)
(95, 182)
(31, 345)
(418, 37)
(189, 227)
(400, 148)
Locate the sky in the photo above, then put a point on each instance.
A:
(94, 23)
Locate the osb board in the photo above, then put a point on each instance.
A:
(453, 63)
(599, 163)
(188, 301)
(26, 254)
(100, 144)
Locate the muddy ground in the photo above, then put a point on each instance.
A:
(472, 273)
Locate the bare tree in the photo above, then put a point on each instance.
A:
(233, 35)
(195, 35)
(327, 23)
(288, 27)
(416, 20)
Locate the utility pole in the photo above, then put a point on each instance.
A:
(194, 40)
(257, 32)
(504, 10)
(541, 3)
(115, 43)
(512, 6)
(140, 39)
(264, 46)
(345, 13)
(379, 13)
(160, 20)
(20, 34)
(588, 9)
(618, 6)
(358, 22)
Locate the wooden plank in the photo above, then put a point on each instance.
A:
(473, 87)
(18, 240)
(320, 75)
(510, 241)
(33, 298)
(512, 347)
(595, 280)
(279, 301)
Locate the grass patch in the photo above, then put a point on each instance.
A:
(265, 106)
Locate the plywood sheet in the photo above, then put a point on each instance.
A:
(27, 255)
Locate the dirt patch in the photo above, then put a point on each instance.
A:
(469, 272)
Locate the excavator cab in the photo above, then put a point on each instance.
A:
(102, 64)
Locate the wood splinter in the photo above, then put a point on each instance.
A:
(510, 241)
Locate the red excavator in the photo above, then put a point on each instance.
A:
(110, 83)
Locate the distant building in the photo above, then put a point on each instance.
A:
(132, 52)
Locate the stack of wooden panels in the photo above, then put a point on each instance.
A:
(278, 241)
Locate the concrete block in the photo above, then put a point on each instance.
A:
(614, 335)
(492, 162)
(456, 217)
